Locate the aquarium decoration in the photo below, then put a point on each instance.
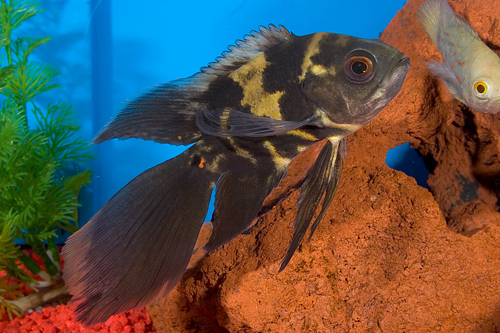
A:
(38, 150)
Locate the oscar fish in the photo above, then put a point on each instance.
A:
(470, 69)
(248, 114)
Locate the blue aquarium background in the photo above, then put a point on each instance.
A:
(110, 51)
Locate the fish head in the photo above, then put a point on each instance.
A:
(485, 96)
(351, 79)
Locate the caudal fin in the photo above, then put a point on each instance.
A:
(136, 248)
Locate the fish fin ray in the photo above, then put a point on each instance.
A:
(310, 195)
(445, 72)
(227, 122)
(432, 11)
(137, 247)
(238, 199)
(332, 186)
(245, 50)
(165, 113)
(428, 18)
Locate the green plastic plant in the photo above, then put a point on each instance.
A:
(36, 197)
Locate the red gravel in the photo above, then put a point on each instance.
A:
(61, 320)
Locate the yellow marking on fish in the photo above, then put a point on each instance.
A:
(223, 119)
(214, 165)
(318, 69)
(350, 127)
(342, 40)
(203, 148)
(249, 77)
(202, 163)
(335, 138)
(300, 149)
(303, 135)
(312, 49)
(179, 137)
(328, 123)
(280, 161)
(240, 151)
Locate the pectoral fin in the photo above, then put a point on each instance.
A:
(229, 122)
(323, 177)
(449, 77)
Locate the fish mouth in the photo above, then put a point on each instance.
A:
(493, 106)
(396, 73)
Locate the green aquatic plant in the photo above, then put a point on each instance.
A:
(37, 196)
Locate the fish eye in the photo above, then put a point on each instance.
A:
(480, 87)
(358, 68)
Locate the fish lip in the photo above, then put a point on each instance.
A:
(493, 106)
(397, 68)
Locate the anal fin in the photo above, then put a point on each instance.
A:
(238, 199)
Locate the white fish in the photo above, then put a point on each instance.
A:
(470, 69)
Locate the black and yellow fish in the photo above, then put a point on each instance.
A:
(249, 114)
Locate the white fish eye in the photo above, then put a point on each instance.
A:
(480, 88)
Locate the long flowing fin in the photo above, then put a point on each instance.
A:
(332, 185)
(137, 247)
(166, 113)
(434, 15)
(238, 199)
(317, 182)
(227, 122)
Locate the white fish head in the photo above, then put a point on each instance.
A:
(484, 94)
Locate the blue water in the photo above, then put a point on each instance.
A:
(109, 51)
(407, 160)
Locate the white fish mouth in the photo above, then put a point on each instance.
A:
(493, 106)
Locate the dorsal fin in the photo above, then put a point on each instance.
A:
(247, 49)
(167, 113)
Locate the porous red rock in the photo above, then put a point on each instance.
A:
(389, 256)
(459, 145)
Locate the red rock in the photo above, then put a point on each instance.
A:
(460, 145)
(389, 256)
